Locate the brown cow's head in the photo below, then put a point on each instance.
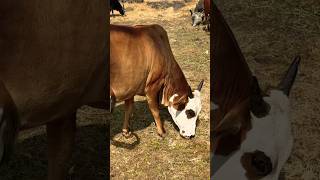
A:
(8, 124)
(185, 115)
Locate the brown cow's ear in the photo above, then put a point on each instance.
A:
(229, 125)
(257, 105)
(233, 121)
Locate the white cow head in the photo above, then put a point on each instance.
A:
(186, 118)
(267, 145)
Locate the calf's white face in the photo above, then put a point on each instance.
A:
(197, 18)
(187, 118)
(270, 134)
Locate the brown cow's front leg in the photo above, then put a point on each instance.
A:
(154, 108)
(127, 115)
(61, 137)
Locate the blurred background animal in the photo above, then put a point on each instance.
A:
(201, 14)
(115, 5)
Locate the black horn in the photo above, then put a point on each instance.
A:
(288, 80)
(200, 85)
(257, 105)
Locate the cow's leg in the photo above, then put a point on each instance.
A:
(127, 115)
(61, 137)
(152, 99)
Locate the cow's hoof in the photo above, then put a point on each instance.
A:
(162, 135)
(126, 133)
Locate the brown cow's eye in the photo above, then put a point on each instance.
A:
(190, 113)
(181, 107)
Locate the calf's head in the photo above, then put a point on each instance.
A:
(197, 18)
(267, 144)
(8, 125)
(185, 114)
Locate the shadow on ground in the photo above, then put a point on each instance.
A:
(142, 118)
(89, 158)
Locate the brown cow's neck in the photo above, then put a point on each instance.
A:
(231, 75)
(175, 83)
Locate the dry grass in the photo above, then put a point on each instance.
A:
(270, 34)
(147, 156)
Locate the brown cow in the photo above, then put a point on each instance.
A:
(52, 61)
(142, 63)
(251, 133)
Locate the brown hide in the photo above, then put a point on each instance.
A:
(53, 56)
(53, 59)
(141, 59)
(232, 81)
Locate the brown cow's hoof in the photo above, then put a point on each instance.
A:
(162, 134)
(126, 133)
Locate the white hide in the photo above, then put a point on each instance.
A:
(188, 126)
(270, 134)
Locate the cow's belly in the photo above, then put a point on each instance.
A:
(123, 90)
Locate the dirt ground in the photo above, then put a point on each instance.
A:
(270, 33)
(147, 156)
